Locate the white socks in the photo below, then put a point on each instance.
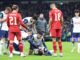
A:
(78, 48)
(16, 52)
(0, 48)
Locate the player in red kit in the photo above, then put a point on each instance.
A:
(14, 21)
(55, 25)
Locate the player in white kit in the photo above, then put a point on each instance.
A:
(30, 23)
(76, 30)
(4, 30)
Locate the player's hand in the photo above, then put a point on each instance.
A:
(29, 29)
(62, 27)
(69, 34)
(49, 28)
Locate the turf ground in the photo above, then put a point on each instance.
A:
(67, 55)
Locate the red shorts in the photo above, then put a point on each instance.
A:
(56, 33)
(12, 35)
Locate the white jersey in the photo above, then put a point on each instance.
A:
(76, 24)
(4, 24)
(37, 41)
(24, 34)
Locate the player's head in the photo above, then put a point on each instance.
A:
(15, 7)
(77, 13)
(7, 10)
(41, 15)
(40, 52)
(53, 6)
(40, 34)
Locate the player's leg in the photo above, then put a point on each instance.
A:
(5, 42)
(30, 40)
(18, 35)
(16, 49)
(11, 39)
(59, 40)
(31, 49)
(1, 42)
(79, 44)
(0, 47)
(54, 46)
(47, 52)
(73, 42)
(73, 45)
(53, 35)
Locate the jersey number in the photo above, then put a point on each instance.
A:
(13, 20)
(57, 16)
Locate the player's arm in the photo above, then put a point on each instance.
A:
(7, 20)
(2, 20)
(71, 26)
(61, 19)
(50, 19)
(44, 43)
(21, 22)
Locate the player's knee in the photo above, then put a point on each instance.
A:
(2, 40)
(11, 42)
(20, 44)
(59, 41)
(54, 39)
(72, 38)
(30, 52)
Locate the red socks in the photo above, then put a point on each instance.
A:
(54, 46)
(11, 48)
(21, 47)
(60, 45)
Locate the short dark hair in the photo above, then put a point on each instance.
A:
(76, 11)
(14, 7)
(40, 32)
(8, 8)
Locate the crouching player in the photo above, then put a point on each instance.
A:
(37, 45)
(14, 21)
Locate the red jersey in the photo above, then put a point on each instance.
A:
(14, 21)
(55, 15)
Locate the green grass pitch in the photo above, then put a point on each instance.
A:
(67, 55)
